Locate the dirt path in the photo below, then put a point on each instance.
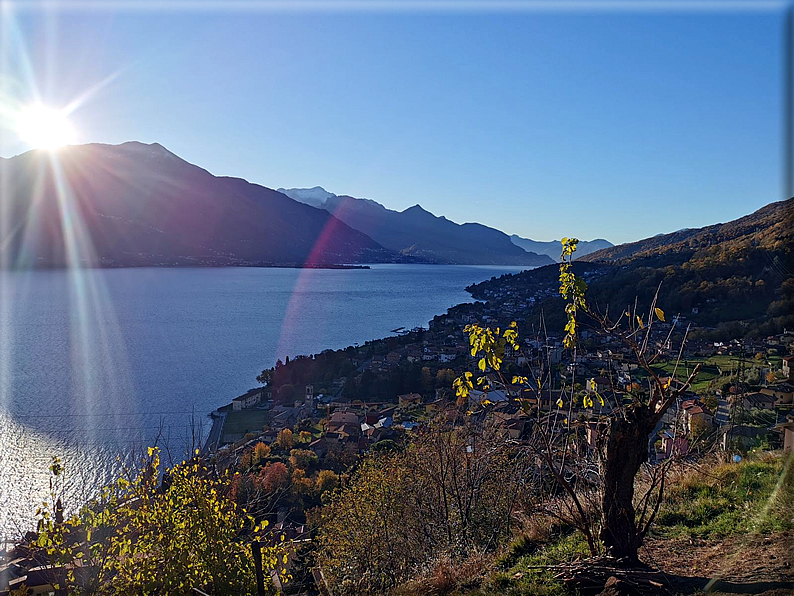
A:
(746, 564)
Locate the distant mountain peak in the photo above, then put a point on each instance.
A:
(136, 149)
(314, 196)
(139, 145)
(553, 248)
(417, 210)
(140, 204)
(417, 232)
(370, 202)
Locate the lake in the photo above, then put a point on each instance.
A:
(96, 363)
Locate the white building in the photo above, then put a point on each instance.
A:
(248, 399)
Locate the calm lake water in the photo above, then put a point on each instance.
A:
(95, 363)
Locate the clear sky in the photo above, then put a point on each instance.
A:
(615, 124)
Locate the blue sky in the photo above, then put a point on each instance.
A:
(619, 125)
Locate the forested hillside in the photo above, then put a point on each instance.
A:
(733, 279)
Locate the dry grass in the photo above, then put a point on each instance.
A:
(447, 577)
(717, 510)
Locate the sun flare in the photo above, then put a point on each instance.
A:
(43, 127)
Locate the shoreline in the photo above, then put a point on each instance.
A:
(219, 416)
(372, 333)
(195, 266)
(218, 421)
(332, 266)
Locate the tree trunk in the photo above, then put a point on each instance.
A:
(625, 449)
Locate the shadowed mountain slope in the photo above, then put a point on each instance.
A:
(135, 204)
(418, 233)
(554, 247)
(732, 280)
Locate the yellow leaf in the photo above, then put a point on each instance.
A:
(639, 320)
(659, 313)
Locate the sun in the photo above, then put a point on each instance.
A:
(43, 127)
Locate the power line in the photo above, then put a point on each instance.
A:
(164, 412)
(91, 428)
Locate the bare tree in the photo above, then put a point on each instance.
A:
(593, 461)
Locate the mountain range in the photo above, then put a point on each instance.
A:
(768, 228)
(553, 248)
(417, 233)
(729, 280)
(139, 204)
(136, 204)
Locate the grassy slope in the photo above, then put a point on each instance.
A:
(753, 497)
(756, 495)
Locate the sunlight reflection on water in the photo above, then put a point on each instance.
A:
(89, 378)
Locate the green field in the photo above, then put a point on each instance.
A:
(711, 368)
(708, 372)
(244, 421)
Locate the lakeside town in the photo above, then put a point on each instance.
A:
(336, 406)
(294, 447)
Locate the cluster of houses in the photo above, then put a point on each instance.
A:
(444, 351)
(513, 296)
(609, 368)
(606, 368)
(355, 425)
(358, 425)
(773, 404)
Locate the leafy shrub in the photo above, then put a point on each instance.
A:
(141, 536)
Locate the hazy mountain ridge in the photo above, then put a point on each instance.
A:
(553, 248)
(419, 233)
(136, 204)
(763, 228)
(730, 278)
